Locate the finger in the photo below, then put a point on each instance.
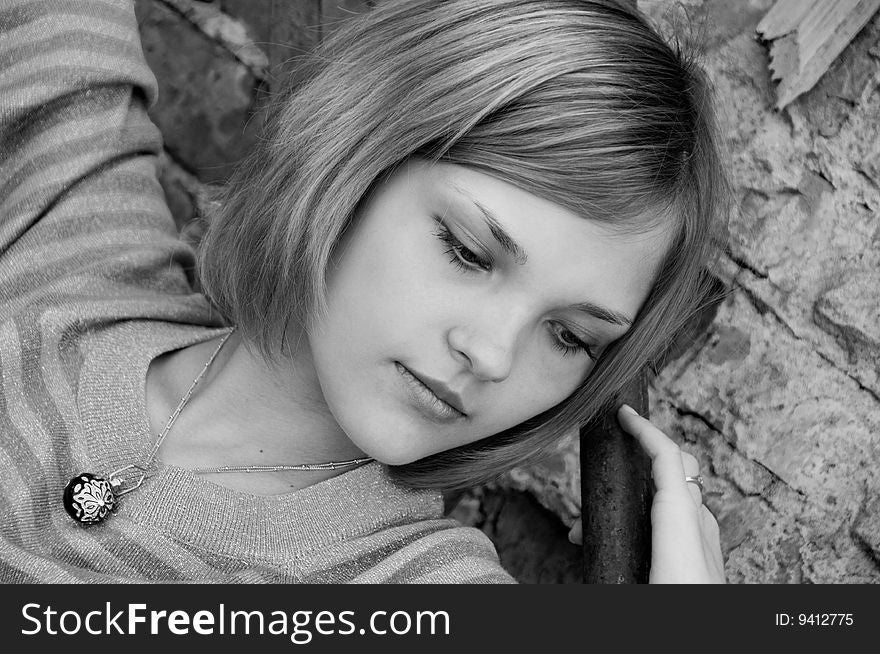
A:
(576, 534)
(666, 463)
(690, 463)
(709, 526)
(711, 534)
(692, 469)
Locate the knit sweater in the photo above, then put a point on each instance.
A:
(93, 286)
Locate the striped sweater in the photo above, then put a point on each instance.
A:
(93, 286)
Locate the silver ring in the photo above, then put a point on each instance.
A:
(698, 480)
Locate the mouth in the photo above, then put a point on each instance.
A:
(433, 398)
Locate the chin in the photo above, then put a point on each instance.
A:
(385, 450)
(390, 446)
(394, 460)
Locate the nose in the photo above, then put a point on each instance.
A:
(486, 346)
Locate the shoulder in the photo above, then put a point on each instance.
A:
(438, 551)
(403, 538)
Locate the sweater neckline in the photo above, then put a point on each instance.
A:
(209, 516)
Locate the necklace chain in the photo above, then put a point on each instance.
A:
(328, 465)
(89, 499)
(184, 400)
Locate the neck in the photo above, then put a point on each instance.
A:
(245, 412)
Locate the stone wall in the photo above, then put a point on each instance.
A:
(779, 398)
(217, 63)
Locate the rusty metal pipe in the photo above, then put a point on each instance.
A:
(616, 493)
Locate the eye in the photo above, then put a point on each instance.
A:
(459, 254)
(567, 342)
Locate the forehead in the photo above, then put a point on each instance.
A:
(570, 257)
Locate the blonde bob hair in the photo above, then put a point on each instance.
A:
(576, 101)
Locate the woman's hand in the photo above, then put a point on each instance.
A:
(685, 544)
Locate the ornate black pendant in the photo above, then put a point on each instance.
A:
(89, 499)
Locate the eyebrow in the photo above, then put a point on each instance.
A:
(519, 255)
(503, 238)
(603, 313)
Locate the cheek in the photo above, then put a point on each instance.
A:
(381, 304)
(361, 289)
(540, 384)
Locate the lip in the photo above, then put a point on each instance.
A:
(432, 397)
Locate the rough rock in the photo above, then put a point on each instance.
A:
(234, 35)
(554, 481)
(181, 191)
(283, 30)
(205, 107)
(866, 529)
(844, 85)
(532, 544)
(851, 313)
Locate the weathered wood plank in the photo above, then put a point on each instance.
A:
(806, 37)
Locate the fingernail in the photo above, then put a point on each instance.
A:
(629, 409)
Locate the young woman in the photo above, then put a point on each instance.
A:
(469, 227)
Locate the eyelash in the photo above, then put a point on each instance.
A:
(456, 249)
(569, 348)
(466, 259)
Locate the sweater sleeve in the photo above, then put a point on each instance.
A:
(81, 211)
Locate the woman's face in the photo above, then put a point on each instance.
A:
(460, 305)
